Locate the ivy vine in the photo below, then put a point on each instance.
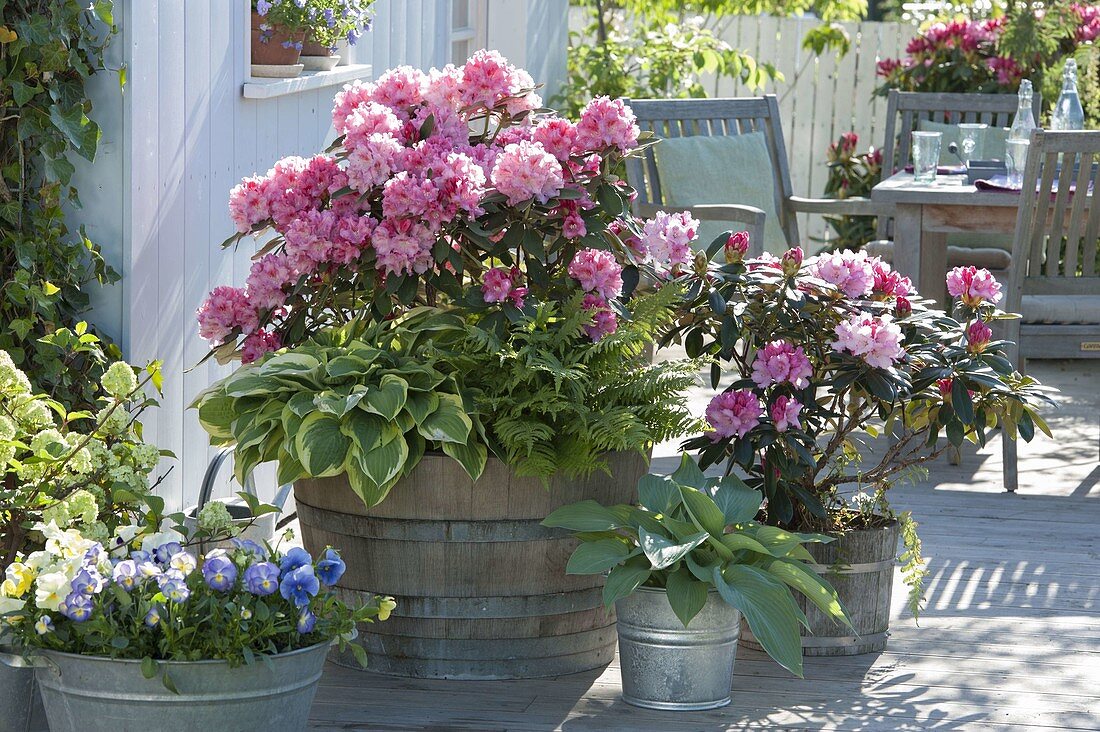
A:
(48, 51)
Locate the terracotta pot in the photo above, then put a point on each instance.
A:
(272, 52)
(313, 48)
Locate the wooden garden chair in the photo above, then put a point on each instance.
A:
(741, 178)
(1056, 288)
(907, 112)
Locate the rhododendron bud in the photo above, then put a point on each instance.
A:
(701, 263)
(978, 336)
(737, 246)
(903, 308)
(973, 286)
(733, 413)
(944, 385)
(792, 261)
(784, 413)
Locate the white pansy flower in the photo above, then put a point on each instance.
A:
(51, 589)
(182, 562)
(11, 605)
(150, 542)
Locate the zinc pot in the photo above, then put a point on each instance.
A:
(667, 666)
(480, 585)
(268, 48)
(20, 703)
(96, 694)
(860, 565)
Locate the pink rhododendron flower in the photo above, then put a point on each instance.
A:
(403, 246)
(733, 413)
(223, 310)
(309, 239)
(371, 163)
(524, 170)
(851, 272)
(486, 78)
(347, 101)
(400, 88)
(667, 237)
(780, 362)
(604, 320)
(522, 97)
(369, 118)
(737, 246)
(974, 286)
(266, 280)
(888, 282)
(607, 122)
(444, 87)
(598, 272)
(877, 340)
(257, 344)
(572, 226)
(557, 135)
(767, 260)
(248, 203)
(407, 195)
(784, 413)
(978, 336)
(496, 284)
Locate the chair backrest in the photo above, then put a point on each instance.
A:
(1058, 226)
(905, 110)
(714, 117)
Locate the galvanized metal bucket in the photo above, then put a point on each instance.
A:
(667, 666)
(96, 694)
(20, 703)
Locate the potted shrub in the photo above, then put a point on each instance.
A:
(78, 470)
(682, 568)
(229, 640)
(279, 29)
(333, 24)
(443, 341)
(827, 354)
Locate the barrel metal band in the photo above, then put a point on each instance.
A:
(852, 568)
(475, 608)
(847, 640)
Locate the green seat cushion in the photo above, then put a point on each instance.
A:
(992, 141)
(732, 169)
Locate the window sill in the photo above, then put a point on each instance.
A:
(258, 88)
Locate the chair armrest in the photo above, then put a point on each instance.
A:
(740, 213)
(841, 206)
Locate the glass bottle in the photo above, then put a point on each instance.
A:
(1067, 113)
(1024, 121)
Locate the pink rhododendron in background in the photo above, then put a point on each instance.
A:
(978, 336)
(607, 123)
(266, 280)
(598, 272)
(225, 308)
(780, 362)
(784, 412)
(973, 286)
(888, 282)
(877, 340)
(557, 135)
(733, 413)
(524, 170)
(496, 284)
(604, 320)
(257, 344)
(851, 272)
(667, 237)
(248, 203)
(736, 246)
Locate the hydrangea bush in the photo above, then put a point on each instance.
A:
(451, 191)
(75, 469)
(153, 600)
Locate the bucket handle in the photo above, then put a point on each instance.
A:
(211, 476)
(17, 660)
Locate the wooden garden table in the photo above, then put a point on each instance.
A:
(926, 213)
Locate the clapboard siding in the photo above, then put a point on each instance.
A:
(181, 134)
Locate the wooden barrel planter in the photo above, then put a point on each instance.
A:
(480, 585)
(860, 565)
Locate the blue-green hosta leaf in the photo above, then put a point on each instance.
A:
(781, 543)
(597, 557)
(388, 399)
(472, 456)
(584, 516)
(246, 382)
(658, 493)
(686, 594)
(448, 423)
(769, 610)
(703, 510)
(384, 463)
(290, 363)
(810, 584)
(689, 474)
(365, 430)
(624, 579)
(739, 540)
(289, 469)
(322, 447)
(663, 553)
(738, 503)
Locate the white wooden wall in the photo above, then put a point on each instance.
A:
(180, 135)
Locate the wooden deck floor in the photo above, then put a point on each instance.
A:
(1010, 638)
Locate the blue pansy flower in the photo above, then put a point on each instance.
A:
(176, 590)
(295, 558)
(261, 579)
(126, 574)
(140, 556)
(219, 572)
(300, 585)
(77, 607)
(251, 548)
(331, 567)
(306, 621)
(164, 552)
(87, 582)
(152, 618)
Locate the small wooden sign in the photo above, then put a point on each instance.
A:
(1090, 346)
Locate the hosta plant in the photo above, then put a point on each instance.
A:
(691, 534)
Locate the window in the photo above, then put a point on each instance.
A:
(468, 28)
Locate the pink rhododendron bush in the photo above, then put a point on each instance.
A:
(820, 355)
(491, 235)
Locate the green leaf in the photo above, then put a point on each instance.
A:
(597, 557)
(389, 398)
(321, 445)
(769, 609)
(472, 456)
(364, 429)
(658, 493)
(622, 581)
(420, 404)
(738, 541)
(663, 553)
(689, 473)
(583, 516)
(385, 462)
(371, 493)
(148, 667)
(703, 511)
(738, 502)
(810, 584)
(686, 594)
(448, 423)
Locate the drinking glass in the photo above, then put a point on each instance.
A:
(1016, 154)
(970, 140)
(926, 156)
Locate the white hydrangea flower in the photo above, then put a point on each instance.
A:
(12, 380)
(7, 427)
(33, 414)
(215, 518)
(113, 422)
(47, 438)
(119, 380)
